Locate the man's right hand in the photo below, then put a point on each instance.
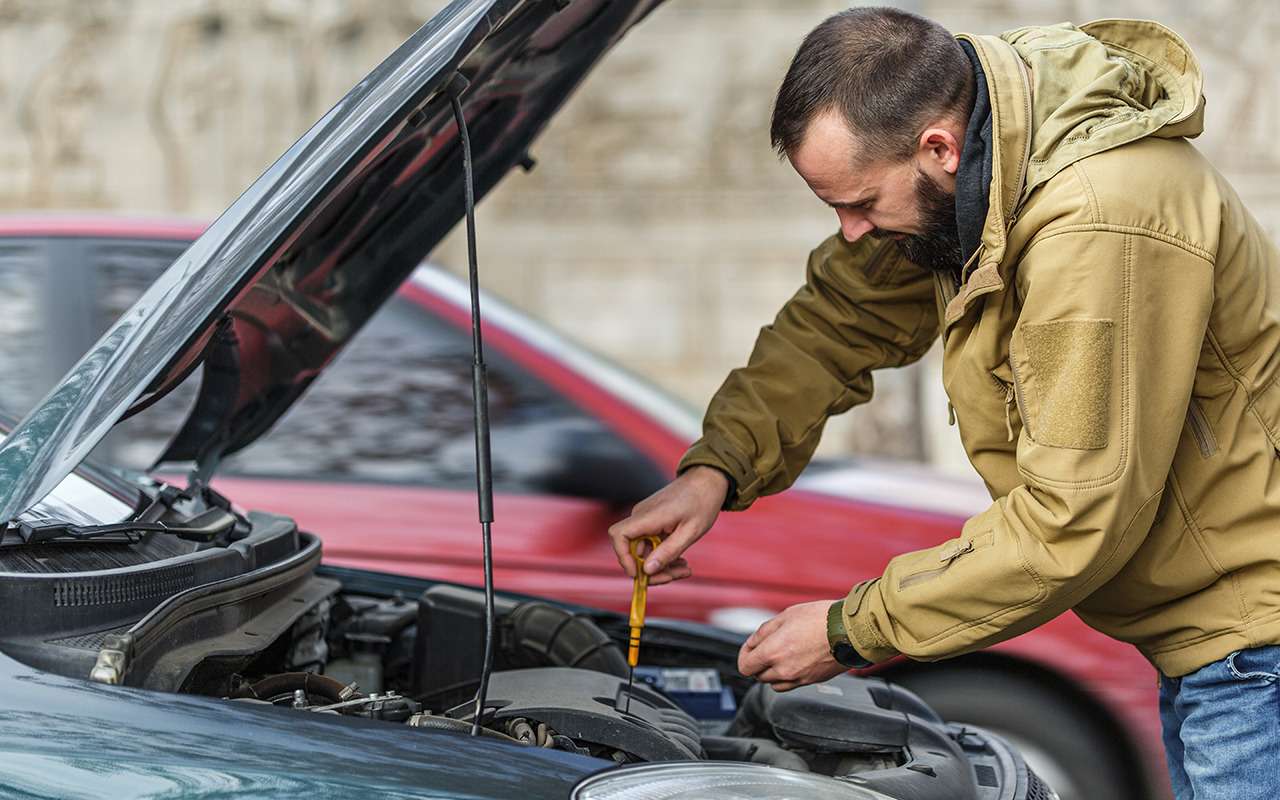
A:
(680, 513)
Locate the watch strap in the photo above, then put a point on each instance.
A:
(842, 650)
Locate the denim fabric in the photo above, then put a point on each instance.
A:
(1222, 728)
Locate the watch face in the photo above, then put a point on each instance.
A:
(844, 654)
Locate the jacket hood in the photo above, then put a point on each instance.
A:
(283, 279)
(1059, 94)
(1103, 85)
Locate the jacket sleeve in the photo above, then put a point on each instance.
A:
(1103, 358)
(863, 306)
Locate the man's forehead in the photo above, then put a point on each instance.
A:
(825, 158)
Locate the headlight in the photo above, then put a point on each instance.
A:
(716, 781)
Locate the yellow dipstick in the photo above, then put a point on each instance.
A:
(639, 593)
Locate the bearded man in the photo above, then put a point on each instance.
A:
(1110, 320)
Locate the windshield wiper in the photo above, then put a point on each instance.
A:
(205, 527)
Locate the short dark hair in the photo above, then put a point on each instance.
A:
(888, 72)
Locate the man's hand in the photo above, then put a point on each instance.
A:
(680, 512)
(791, 649)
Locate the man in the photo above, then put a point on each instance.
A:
(1110, 316)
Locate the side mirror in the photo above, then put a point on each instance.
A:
(594, 463)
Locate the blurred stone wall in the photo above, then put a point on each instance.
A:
(658, 228)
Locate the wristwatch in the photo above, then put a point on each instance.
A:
(842, 649)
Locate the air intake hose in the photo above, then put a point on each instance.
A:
(546, 635)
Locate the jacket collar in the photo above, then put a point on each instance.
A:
(1109, 83)
(1009, 90)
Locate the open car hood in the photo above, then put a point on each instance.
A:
(269, 294)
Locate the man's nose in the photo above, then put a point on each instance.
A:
(853, 226)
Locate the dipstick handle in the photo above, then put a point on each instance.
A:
(639, 593)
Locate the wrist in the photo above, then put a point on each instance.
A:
(842, 649)
(718, 484)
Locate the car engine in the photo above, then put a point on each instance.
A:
(254, 619)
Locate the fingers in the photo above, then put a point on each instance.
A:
(675, 571)
(790, 650)
(620, 552)
(680, 513)
(620, 535)
(751, 661)
(753, 658)
(767, 627)
(764, 667)
(671, 548)
(641, 523)
(780, 678)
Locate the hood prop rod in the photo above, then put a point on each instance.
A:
(480, 396)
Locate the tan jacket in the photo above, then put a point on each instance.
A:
(1111, 354)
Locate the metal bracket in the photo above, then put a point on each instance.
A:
(113, 660)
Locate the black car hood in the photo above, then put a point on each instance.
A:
(269, 294)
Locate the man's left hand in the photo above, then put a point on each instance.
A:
(791, 649)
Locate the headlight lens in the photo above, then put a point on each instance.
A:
(716, 781)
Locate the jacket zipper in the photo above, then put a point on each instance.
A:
(1009, 396)
(1008, 412)
(946, 557)
(958, 277)
(1017, 395)
(1200, 429)
(1026, 146)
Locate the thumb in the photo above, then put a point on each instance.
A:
(672, 547)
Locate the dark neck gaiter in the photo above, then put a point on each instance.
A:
(973, 178)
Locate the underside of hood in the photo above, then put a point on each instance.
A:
(270, 293)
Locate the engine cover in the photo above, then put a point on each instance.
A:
(591, 707)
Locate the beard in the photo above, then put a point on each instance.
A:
(938, 247)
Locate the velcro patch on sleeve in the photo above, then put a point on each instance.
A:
(1070, 376)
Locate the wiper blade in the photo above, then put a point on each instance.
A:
(206, 527)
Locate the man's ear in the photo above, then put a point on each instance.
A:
(940, 146)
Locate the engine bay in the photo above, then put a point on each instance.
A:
(256, 620)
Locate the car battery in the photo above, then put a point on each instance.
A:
(696, 690)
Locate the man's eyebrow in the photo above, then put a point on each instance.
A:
(862, 201)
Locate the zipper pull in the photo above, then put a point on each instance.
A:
(954, 551)
(951, 414)
(1008, 412)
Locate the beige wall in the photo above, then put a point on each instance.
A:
(658, 227)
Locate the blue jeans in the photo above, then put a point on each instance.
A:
(1222, 728)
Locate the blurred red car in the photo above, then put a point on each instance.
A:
(576, 441)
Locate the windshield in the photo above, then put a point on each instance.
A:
(78, 499)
